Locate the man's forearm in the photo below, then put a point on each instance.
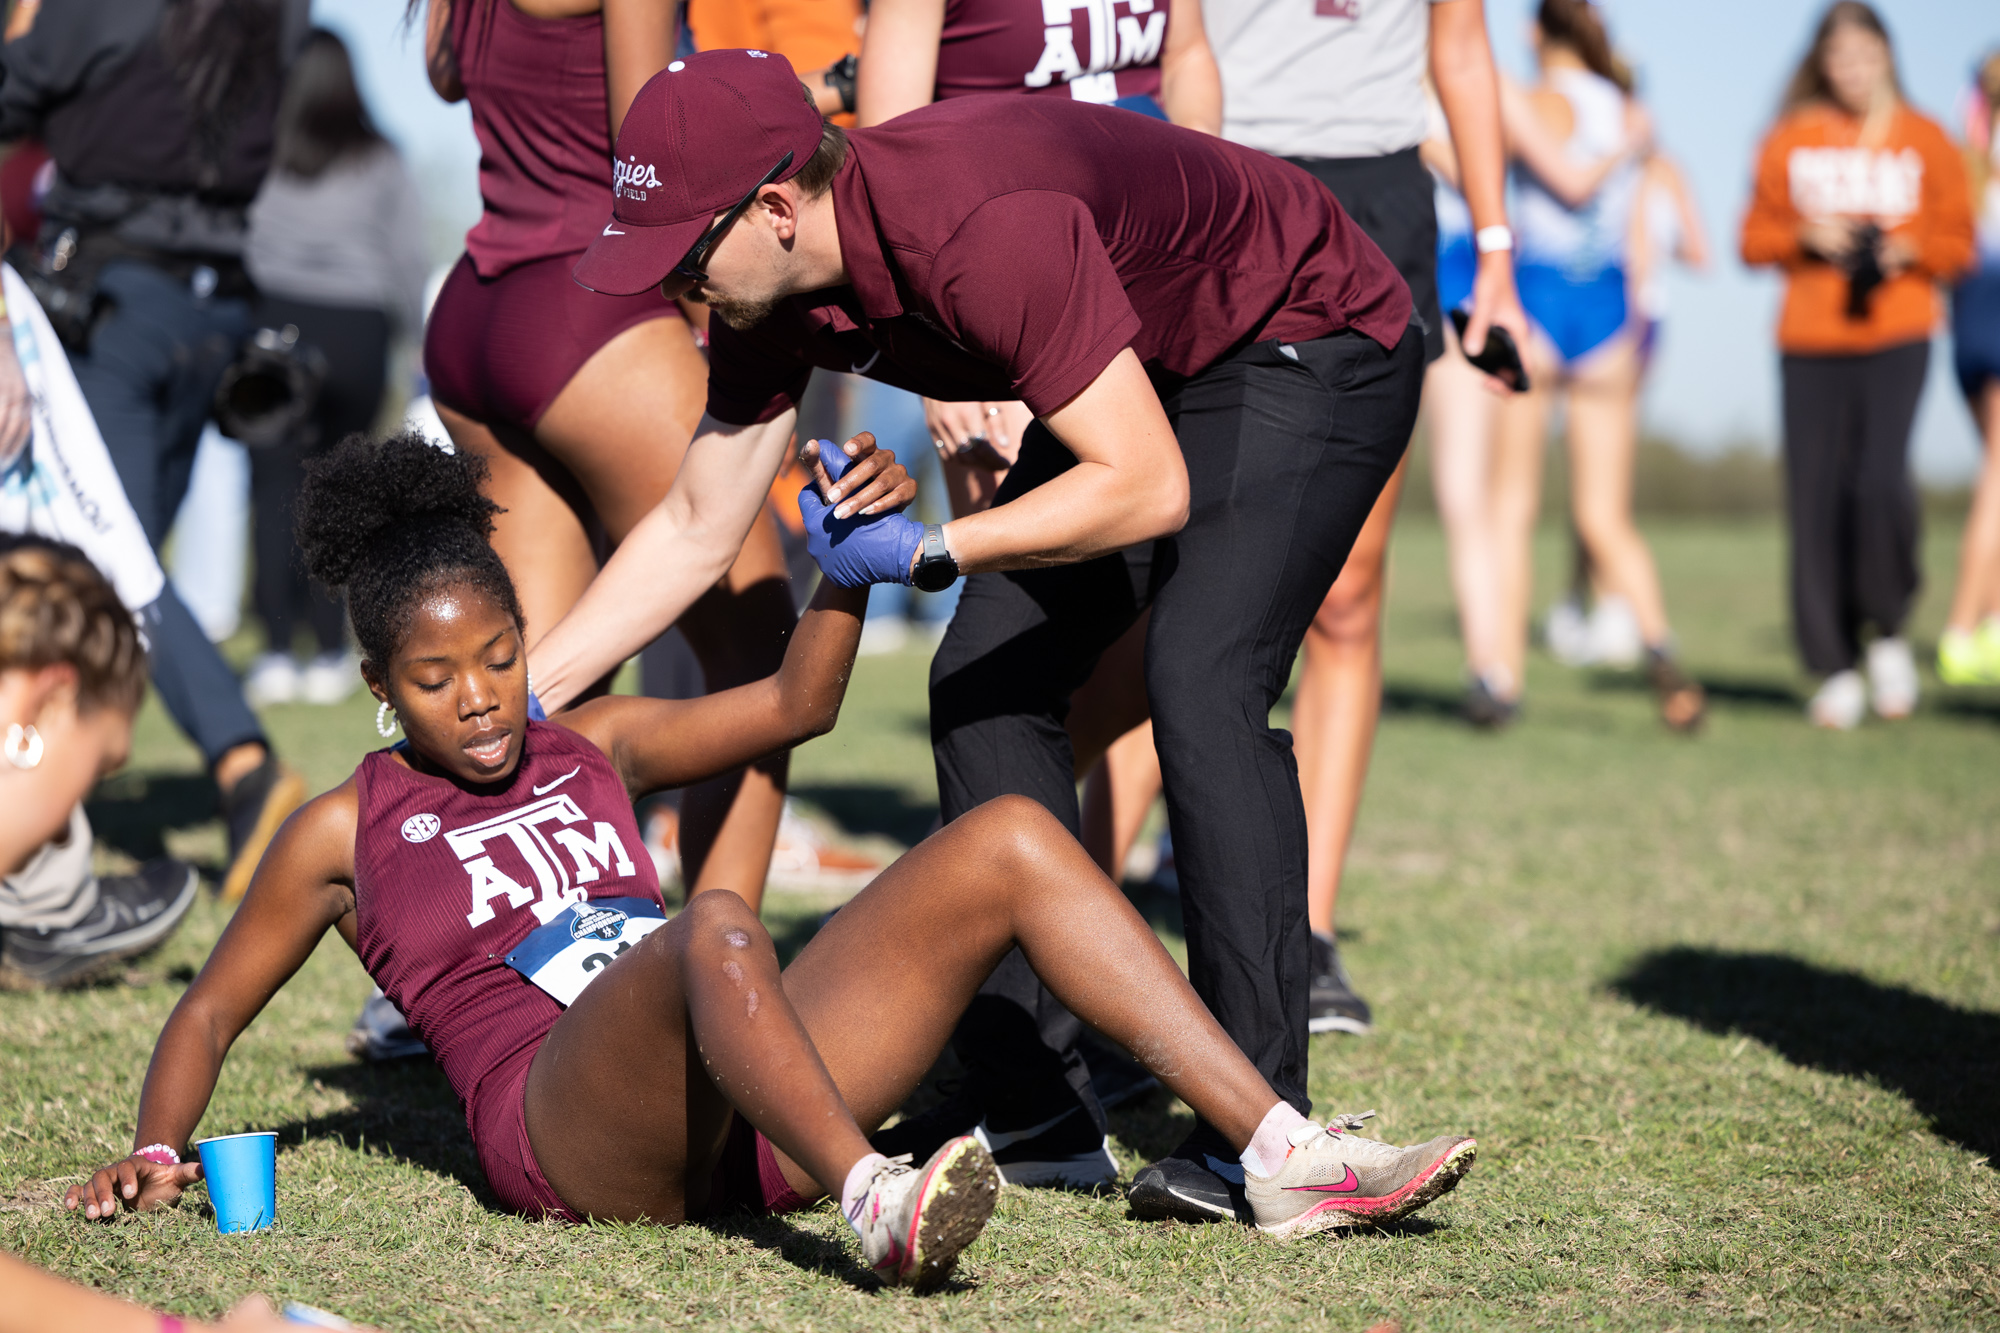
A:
(670, 558)
(1086, 512)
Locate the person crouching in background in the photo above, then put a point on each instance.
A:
(1863, 203)
(337, 251)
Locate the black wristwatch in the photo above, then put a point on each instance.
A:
(936, 569)
(839, 76)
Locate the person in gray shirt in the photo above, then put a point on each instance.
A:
(336, 248)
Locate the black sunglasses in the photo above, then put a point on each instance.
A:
(691, 267)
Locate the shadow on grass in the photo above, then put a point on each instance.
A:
(873, 808)
(404, 1106)
(1405, 699)
(1738, 691)
(1980, 707)
(802, 1249)
(1946, 1060)
(131, 810)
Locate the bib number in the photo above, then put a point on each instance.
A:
(573, 950)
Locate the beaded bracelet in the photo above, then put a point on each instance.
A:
(170, 1157)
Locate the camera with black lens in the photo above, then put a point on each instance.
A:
(268, 393)
(1863, 266)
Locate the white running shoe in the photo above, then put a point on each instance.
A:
(1892, 677)
(914, 1223)
(1335, 1178)
(1615, 640)
(273, 679)
(330, 678)
(1840, 702)
(1566, 631)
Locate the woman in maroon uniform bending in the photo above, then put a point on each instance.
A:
(582, 404)
(484, 871)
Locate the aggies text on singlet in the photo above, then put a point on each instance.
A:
(448, 882)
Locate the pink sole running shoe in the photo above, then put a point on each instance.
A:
(1335, 1178)
(915, 1223)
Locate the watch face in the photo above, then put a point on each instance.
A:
(933, 574)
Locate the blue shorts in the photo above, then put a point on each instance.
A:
(1975, 331)
(1579, 316)
(1457, 266)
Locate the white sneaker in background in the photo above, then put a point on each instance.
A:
(330, 678)
(273, 679)
(1566, 630)
(1614, 634)
(1840, 702)
(1892, 677)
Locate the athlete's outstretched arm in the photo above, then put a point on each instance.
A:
(656, 743)
(304, 886)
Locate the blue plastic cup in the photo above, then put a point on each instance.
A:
(242, 1172)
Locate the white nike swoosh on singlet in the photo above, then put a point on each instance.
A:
(861, 368)
(546, 788)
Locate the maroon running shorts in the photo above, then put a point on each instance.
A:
(499, 350)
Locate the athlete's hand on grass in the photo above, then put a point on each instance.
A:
(137, 1182)
(982, 435)
(866, 548)
(868, 479)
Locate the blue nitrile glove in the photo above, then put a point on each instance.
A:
(864, 549)
(536, 713)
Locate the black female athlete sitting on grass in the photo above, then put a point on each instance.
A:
(488, 870)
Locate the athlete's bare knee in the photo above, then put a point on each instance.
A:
(1013, 833)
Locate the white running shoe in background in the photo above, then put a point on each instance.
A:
(273, 679)
(1840, 702)
(330, 678)
(1566, 630)
(1892, 677)
(1615, 640)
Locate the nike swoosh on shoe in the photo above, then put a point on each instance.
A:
(996, 1139)
(1347, 1186)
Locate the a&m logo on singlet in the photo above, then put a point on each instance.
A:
(544, 839)
(1116, 41)
(1856, 182)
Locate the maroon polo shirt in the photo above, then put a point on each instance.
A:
(1009, 247)
(1100, 51)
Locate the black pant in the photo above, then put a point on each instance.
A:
(355, 342)
(1285, 459)
(1849, 498)
(1393, 199)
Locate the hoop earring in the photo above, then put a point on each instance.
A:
(23, 746)
(385, 720)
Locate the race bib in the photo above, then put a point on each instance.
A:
(573, 950)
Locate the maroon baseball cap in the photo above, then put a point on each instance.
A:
(699, 136)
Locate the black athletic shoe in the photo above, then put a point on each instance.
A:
(1485, 709)
(134, 913)
(1200, 1181)
(1332, 1005)
(923, 1134)
(1063, 1149)
(253, 809)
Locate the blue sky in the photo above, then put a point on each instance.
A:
(1710, 69)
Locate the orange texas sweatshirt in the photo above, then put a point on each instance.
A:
(1912, 184)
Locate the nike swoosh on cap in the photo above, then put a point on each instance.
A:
(1347, 1186)
(609, 230)
(546, 788)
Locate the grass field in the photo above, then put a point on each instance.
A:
(1723, 1012)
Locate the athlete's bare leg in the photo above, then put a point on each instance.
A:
(1603, 440)
(1460, 412)
(1118, 794)
(1515, 495)
(1978, 592)
(671, 1027)
(604, 453)
(1339, 702)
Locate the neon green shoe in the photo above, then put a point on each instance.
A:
(1970, 657)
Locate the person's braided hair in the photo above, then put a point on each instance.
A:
(56, 607)
(392, 521)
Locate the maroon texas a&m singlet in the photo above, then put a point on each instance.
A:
(448, 883)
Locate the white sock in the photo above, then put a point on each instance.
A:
(859, 1177)
(1269, 1143)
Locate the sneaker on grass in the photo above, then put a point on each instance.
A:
(914, 1224)
(1045, 1138)
(1841, 700)
(1332, 1005)
(1200, 1181)
(133, 914)
(1892, 678)
(381, 1032)
(1333, 1177)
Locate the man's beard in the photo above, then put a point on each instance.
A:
(740, 315)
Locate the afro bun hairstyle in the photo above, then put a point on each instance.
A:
(392, 521)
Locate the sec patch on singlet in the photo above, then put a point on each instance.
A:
(573, 950)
